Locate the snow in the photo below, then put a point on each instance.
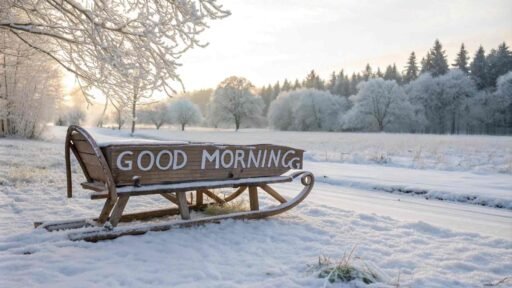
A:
(426, 243)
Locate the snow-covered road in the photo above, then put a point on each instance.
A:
(353, 187)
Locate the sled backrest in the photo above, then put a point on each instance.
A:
(90, 158)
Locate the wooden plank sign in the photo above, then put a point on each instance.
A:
(152, 163)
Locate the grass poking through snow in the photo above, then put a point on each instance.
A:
(348, 268)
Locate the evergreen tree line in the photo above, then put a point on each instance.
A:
(482, 73)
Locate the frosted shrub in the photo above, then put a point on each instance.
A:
(307, 110)
(381, 105)
(184, 112)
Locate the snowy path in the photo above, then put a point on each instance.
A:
(459, 217)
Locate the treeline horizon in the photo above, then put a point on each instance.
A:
(442, 98)
(483, 68)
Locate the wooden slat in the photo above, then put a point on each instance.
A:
(183, 205)
(118, 210)
(253, 198)
(95, 186)
(105, 212)
(235, 194)
(84, 147)
(170, 197)
(93, 166)
(199, 198)
(213, 196)
(273, 193)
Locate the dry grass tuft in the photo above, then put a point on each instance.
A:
(25, 174)
(237, 205)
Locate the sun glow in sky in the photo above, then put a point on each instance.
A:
(266, 40)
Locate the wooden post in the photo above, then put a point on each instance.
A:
(253, 198)
(105, 212)
(199, 198)
(118, 209)
(183, 205)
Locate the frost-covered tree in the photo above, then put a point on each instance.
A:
(184, 112)
(499, 62)
(103, 42)
(307, 110)
(461, 62)
(234, 101)
(411, 69)
(380, 105)
(501, 109)
(30, 88)
(156, 114)
(444, 100)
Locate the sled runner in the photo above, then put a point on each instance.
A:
(120, 170)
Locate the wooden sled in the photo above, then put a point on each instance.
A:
(118, 171)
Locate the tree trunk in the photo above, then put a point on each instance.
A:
(134, 113)
(237, 124)
(182, 126)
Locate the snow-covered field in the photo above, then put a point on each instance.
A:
(415, 241)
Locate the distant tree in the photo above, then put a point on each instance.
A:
(439, 62)
(184, 112)
(411, 69)
(444, 100)
(332, 83)
(296, 85)
(379, 105)
(267, 95)
(367, 73)
(234, 101)
(426, 64)
(461, 62)
(199, 97)
(307, 110)
(379, 73)
(275, 91)
(392, 74)
(286, 85)
(313, 81)
(499, 63)
(156, 114)
(502, 112)
(479, 68)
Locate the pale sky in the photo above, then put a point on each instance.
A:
(266, 41)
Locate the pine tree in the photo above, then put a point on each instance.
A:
(276, 90)
(286, 85)
(461, 62)
(379, 73)
(392, 74)
(499, 62)
(331, 85)
(426, 63)
(313, 81)
(439, 63)
(367, 73)
(354, 80)
(411, 69)
(478, 68)
(296, 85)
